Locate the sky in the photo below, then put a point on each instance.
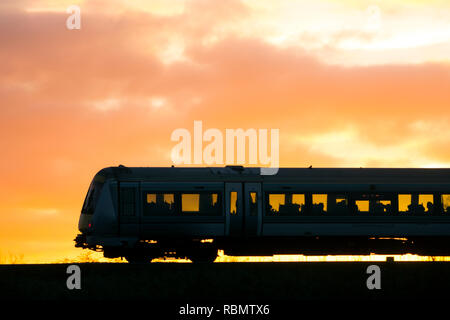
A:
(347, 83)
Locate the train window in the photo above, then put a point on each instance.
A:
(293, 205)
(338, 204)
(445, 199)
(385, 206)
(363, 205)
(151, 197)
(92, 197)
(253, 204)
(127, 201)
(380, 207)
(285, 204)
(371, 203)
(415, 204)
(233, 202)
(210, 204)
(214, 199)
(319, 203)
(375, 204)
(190, 202)
(404, 202)
(157, 204)
(275, 200)
(426, 203)
(298, 199)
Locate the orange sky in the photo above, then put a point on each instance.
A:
(348, 83)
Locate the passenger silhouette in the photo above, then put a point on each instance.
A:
(378, 208)
(272, 211)
(206, 204)
(341, 208)
(420, 209)
(388, 208)
(353, 208)
(289, 209)
(416, 209)
(430, 207)
(320, 208)
(302, 208)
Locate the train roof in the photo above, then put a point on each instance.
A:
(288, 175)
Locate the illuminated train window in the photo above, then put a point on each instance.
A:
(374, 206)
(294, 204)
(387, 206)
(233, 202)
(157, 204)
(275, 200)
(203, 203)
(445, 200)
(285, 204)
(416, 204)
(338, 204)
(351, 204)
(404, 202)
(426, 203)
(319, 203)
(362, 205)
(162, 204)
(190, 202)
(298, 199)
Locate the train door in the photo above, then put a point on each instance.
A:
(253, 209)
(129, 208)
(234, 209)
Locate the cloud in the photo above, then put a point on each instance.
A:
(107, 104)
(350, 149)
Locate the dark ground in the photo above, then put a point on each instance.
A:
(257, 283)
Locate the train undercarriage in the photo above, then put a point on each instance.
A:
(205, 250)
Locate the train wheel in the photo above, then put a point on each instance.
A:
(203, 255)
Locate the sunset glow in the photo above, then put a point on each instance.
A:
(348, 84)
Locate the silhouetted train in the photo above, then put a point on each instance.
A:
(144, 213)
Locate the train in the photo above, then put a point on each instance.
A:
(144, 213)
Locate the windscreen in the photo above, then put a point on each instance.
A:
(92, 196)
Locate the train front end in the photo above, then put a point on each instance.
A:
(88, 212)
